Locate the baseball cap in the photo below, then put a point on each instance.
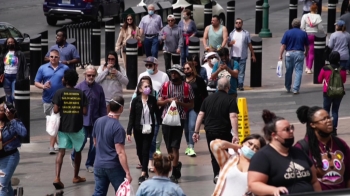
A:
(178, 68)
(340, 23)
(151, 59)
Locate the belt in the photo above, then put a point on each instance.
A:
(150, 35)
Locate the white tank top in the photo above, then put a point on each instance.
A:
(236, 183)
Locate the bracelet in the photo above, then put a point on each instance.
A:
(196, 132)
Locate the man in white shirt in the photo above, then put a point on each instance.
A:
(239, 41)
(158, 79)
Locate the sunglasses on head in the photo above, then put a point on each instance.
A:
(54, 57)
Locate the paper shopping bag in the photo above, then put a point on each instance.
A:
(172, 117)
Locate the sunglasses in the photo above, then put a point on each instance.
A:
(91, 75)
(129, 19)
(148, 65)
(186, 68)
(54, 57)
(111, 59)
(171, 20)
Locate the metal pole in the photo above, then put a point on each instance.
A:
(258, 16)
(230, 12)
(319, 62)
(35, 56)
(265, 31)
(96, 44)
(256, 73)
(110, 36)
(131, 63)
(293, 11)
(332, 5)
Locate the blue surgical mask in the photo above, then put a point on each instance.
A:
(150, 71)
(247, 152)
(151, 12)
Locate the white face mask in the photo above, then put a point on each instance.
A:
(214, 60)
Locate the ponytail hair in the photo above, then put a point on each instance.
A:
(270, 120)
(163, 163)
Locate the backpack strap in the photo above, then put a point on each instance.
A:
(304, 146)
(165, 90)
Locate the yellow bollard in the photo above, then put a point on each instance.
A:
(243, 119)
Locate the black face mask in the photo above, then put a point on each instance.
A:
(288, 142)
(175, 80)
(323, 134)
(11, 46)
(188, 74)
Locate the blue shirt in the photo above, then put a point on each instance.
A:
(97, 102)
(151, 25)
(233, 81)
(159, 186)
(47, 73)
(295, 39)
(108, 132)
(67, 52)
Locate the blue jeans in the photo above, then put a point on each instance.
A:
(184, 54)
(241, 73)
(104, 176)
(9, 86)
(189, 126)
(8, 166)
(151, 46)
(92, 151)
(335, 103)
(294, 60)
(344, 63)
(152, 150)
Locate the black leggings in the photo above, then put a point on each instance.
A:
(143, 145)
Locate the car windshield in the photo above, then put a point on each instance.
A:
(7, 31)
(147, 2)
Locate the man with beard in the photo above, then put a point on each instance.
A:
(215, 35)
(49, 78)
(68, 52)
(71, 104)
(96, 109)
(180, 92)
(239, 41)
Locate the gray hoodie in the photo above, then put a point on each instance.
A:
(173, 40)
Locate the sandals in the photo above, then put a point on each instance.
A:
(139, 166)
(79, 179)
(58, 184)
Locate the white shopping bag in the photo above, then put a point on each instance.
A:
(53, 123)
(279, 69)
(172, 117)
(125, 189)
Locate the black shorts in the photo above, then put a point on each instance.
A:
(173, 135)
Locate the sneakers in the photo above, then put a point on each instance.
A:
(90, 169)
(176, 174)
(186, 151)
(174, 179)
(191, 152)
(215, 180)
(79, 179)
(295, 92)
(72, 163)
(241, 88)
(56, 147)
(158, 151)
(52, 150)
(142, 179)
(309, 72)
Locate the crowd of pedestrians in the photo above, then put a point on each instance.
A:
(92, 108)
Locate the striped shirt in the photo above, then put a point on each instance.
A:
(176, 91)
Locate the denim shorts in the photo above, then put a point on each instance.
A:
(68, 140)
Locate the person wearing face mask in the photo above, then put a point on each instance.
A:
(218, 123)
(171, 35)
(142, 120)
(200, 93)
(329, 154)
(68, 52)
(111, 77)
(182, 94)
(13, 67)
(96, 109)
(150, 27)
(111, 164)
(285, 169)
(128, 31)
(234, 163)
(189, 29)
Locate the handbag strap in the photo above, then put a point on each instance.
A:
(4, 144)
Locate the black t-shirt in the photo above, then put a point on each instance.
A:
(200, 92)
(282, 170)
(217, 108)
(71, 102)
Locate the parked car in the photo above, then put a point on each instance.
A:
(198, 9)
(77, 10)
(7, 30)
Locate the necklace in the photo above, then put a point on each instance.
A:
(327, 149)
